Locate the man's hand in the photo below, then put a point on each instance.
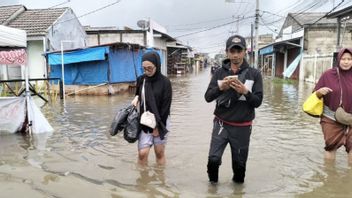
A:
(323, 91)
(224, 84)
(239, 87)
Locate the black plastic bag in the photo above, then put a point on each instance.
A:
(120, 120)
(132, 127)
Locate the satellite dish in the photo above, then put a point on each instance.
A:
(143, 24)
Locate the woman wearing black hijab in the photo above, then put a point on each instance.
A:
(158, 96)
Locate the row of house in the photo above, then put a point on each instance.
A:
(307, 45)
(303, 49)
(55, 31)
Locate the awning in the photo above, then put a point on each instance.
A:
(269, 49)
(80, 55)
(11, 37)
(266, 50)
(13, 57)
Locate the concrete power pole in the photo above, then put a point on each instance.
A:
(256, 27)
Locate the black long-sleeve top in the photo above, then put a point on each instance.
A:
(241, 108)
(162, 92)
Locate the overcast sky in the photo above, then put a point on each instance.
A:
(182, 17)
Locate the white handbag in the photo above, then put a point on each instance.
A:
(147, 117)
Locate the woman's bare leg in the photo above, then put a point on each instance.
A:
(330, 155)
(160, 154)
(143, 156)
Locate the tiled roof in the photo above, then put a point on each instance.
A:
(36, 21)
(7, 11)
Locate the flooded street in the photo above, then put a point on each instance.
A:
(80, 158)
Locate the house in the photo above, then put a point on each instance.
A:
(151, 36)
(263, 40)
(342, 18)
(180, 58)
(98, 70)
(304, 47)
(47, 30)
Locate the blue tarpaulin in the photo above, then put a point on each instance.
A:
(82, 55)
(86, 73)
(125, 65)
(121, 65)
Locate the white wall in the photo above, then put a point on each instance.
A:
(105, 38)
(323, 41)
(92, 40)
(164, 62)
(135, 38)
(109, 38)
(36, 61)
(67, 27)
(3, 72)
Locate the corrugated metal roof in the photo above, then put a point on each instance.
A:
(346, 11)
(311, 17)
(7, 11)
(36, 21)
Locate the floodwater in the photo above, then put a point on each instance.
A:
(80, 159)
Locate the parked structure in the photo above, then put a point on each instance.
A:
(180, 58)
(100, 70)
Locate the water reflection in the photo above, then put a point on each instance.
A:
(152, 182)
(332, 181)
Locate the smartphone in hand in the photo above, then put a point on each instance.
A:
(231, 78)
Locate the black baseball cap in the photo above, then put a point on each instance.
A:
(236, 40)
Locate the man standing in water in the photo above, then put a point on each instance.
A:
(238, 90)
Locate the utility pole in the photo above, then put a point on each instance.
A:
(252, 55)
(236, 31)
(238, 24)
(256, 26)
(233, 31)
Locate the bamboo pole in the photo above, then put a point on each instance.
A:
(86, 89)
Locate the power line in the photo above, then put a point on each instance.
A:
(101, 8)
(215, 35)
(328, 12)
(201, 22)
(211, 28)
(91, 12)
(305, 10)
(62, 3)
(264, 11)
(267, 25)
(238, 19)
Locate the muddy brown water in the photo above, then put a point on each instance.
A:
(80, 159)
